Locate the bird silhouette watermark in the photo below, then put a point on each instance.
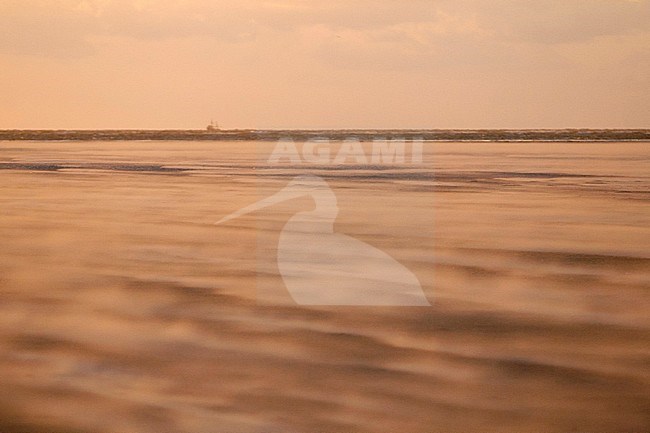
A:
(318, 265)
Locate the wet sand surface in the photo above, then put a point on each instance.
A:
(125, 309)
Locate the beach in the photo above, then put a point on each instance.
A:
(125, 308)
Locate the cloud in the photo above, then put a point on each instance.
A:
(67, 28)
(44, 28)
(564, 21)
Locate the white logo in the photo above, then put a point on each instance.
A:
(323, 152)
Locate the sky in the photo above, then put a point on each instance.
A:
(93, 64)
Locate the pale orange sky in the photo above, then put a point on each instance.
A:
(324, 64)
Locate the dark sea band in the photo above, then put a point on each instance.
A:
(492, 135)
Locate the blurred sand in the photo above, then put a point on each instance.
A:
(125, 309)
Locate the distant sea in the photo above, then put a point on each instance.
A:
(445, 135)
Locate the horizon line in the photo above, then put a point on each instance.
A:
(220, 130)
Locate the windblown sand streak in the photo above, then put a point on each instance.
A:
(125, 309)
